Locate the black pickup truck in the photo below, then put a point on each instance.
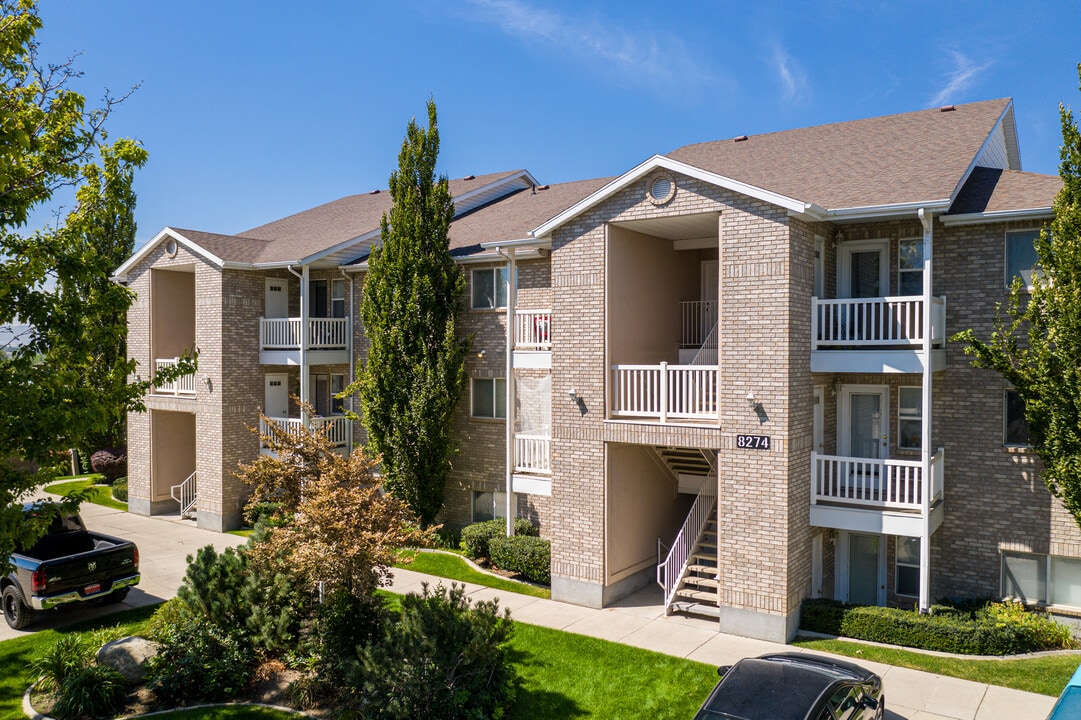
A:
(69, 564)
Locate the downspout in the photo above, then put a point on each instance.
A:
(304, 379)
(512, 301)
(927, 220)
(349, 350)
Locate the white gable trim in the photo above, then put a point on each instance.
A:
(666, 163)
(122, 271)
(514, 179)
(999, 216)
(979, 154)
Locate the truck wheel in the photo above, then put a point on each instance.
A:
(17, 613)
(116, 596)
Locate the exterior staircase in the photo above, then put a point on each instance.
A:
(696, 591)
(186, 494)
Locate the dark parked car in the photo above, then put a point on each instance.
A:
(68, 565)
(794, 686)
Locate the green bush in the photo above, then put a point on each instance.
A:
(444, 660)
(199, 661)
(71, 654)
(996, 629)
(168, 619)
(475, 537)
(343, 622)
(530, 556)
(120, 490)
(94, 691)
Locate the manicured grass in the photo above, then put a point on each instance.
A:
(17, 654)
(453, 567)
(573, 676)
(232, 712)
(1045, 675)
(242, 532)
(99, 494)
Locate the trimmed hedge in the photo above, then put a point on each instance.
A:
(530, 556)
(475, 537)
(120, 490)
(996, 629)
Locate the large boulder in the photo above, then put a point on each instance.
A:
(128, 655)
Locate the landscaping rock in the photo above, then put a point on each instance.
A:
(129, 656)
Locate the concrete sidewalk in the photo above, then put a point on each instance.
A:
(639, 620)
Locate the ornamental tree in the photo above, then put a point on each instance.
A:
(414, 375)
(1036, 344)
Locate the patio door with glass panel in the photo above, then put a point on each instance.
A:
(863, 270)
(864, 433)
(866, 569)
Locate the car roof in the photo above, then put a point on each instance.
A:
(778, 687)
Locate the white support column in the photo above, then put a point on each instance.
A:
(925, 435)
(512, 302)
(305, 380)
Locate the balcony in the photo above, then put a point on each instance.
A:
(183, 386)
(533, 339)
(280, 341)
(875, 335)
(665, 392)
(337, 429)
(871, 495)
(533, 454)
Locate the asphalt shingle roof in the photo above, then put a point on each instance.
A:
(990, 190)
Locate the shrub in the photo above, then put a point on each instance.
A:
(110, 462)
(530, 556)
(168, 619)
(997, 629)
(71, 654)
(444, 659)
(199, 661)
(84, 462)
(343, 622)
(475, 537)
(93, 691)
(120, 490)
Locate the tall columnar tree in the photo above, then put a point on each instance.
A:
(414, 374)
(1036, 344)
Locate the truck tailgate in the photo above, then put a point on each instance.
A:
(87, 572)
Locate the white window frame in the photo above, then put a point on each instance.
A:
(897, 564)
(1049, 579)
(1006, 257)
(1006, 421)
(911, 271)
(499, 505)
(497, 393)
(903, 416)
(337, 297)
(337, 405)
(499, 279)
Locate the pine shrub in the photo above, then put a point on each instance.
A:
(475, 537)
(529, 556)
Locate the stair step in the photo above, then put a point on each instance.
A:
(701, 581)
(697, 595)
(710, 557)
(691, 608)
(708, 544)
(708, 569)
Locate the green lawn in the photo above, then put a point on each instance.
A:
(453, 567)
(1045, 675)
(99, 494)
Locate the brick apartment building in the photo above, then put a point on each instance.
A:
(726, 369)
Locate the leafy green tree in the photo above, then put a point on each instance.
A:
(1036, 344)
(414, 375)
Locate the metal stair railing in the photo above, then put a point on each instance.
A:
(671, 571)
(186, 493)
(707, 354)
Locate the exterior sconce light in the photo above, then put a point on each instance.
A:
(837, 386)
(838, 238)
(573, 395)
(752, 400)
(481, 354)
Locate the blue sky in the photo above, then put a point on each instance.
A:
(252, 111)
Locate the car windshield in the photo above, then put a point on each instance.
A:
(756, 689)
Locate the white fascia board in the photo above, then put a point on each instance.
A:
(987, 140)
(1000, 216)
(315, 257)
(521, 242)
(121, 273)
(532, 253)
(871, 212)
(666, 163)
(520, 175)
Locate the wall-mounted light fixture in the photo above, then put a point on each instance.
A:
(206, 381)
(573, 395)
(837, 384)
(752, 400)
(481, 354)
(839, 237)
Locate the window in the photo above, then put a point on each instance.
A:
(489, 505)
(1066, 581)
(317, 301)
(489, 398)
(1021, 256)
(337, 298)
(910, 418)
(337, 387)
(910, 267)
(908, 567)
(490, 288)
(1039, 578)
(1015, 432)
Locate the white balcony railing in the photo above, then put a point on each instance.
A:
(885, 321)
(699, 319)
(667, 392)
(533, 454)
(183, 385)
(337, 427)
(284, 333)
(533, 329)
(883, 484)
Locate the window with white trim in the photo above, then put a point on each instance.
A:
(337, 387)
(489, 288)
(489, 398)
(1043, 579)
(337, 298)
(1015, 425)
(910, 267)
(1021, 258)
(909, 418)
(907, 561)
(489, 505)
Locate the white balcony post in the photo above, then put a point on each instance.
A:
(305, 336)
(512, 301)
(663, 393)
(927, 220)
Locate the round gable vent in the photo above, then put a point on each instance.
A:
(662, 188)
(170, 247)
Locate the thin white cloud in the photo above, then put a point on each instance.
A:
(960, 78)
(643, 57)
(791, 74)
